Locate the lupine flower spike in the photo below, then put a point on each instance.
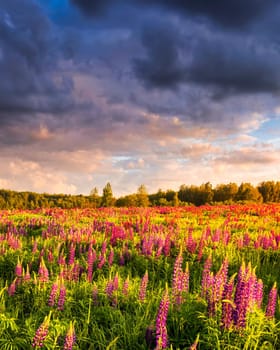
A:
(70, 338)
(272, 299)
(143, 287)
(41, 333)
(161, 329)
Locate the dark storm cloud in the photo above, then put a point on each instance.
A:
(236, 65)
(228, 62)
(230, 13)
(162, 66)
(28, 60)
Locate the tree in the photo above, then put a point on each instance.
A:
(94, 197)
(225, 193)
(247, 192)
(142, 197)
(107, 198)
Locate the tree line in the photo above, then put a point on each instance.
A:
(266, 192)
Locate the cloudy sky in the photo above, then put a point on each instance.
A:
(154, 92)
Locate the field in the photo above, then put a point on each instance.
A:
(140, 278)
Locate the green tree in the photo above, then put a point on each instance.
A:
(94, 198)
(107, 199)
(225, 192)
(142, 197)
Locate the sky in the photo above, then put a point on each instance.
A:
(131, 92)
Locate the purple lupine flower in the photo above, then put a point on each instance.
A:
(143, 287)
(72, 251)
(205, 276)
(40, 335)
(161, 329)
(61, 297)
(272, 299)
(70, 338)
(109, 289)
(228, 304)
(90, 261)
(53, 294)
(191, 243)
(244, 294)
(179, 280)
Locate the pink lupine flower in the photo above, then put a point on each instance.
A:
(161, 329)
(26, 275)
(272, 299)
(101, 262)
(143, 287)
(70, 338)
(91, 257)
(259, 292)
(43, 272)
(18, 269)
(103, 248)
(12, 288)
(41, 333)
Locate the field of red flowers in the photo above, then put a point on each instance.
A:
(140, 278)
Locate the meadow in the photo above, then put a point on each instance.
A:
(140, 278)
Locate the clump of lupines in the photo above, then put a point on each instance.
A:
(143, 287)
(161, 328)
(70, 338)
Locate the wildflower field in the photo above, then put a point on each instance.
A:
(140, 278)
